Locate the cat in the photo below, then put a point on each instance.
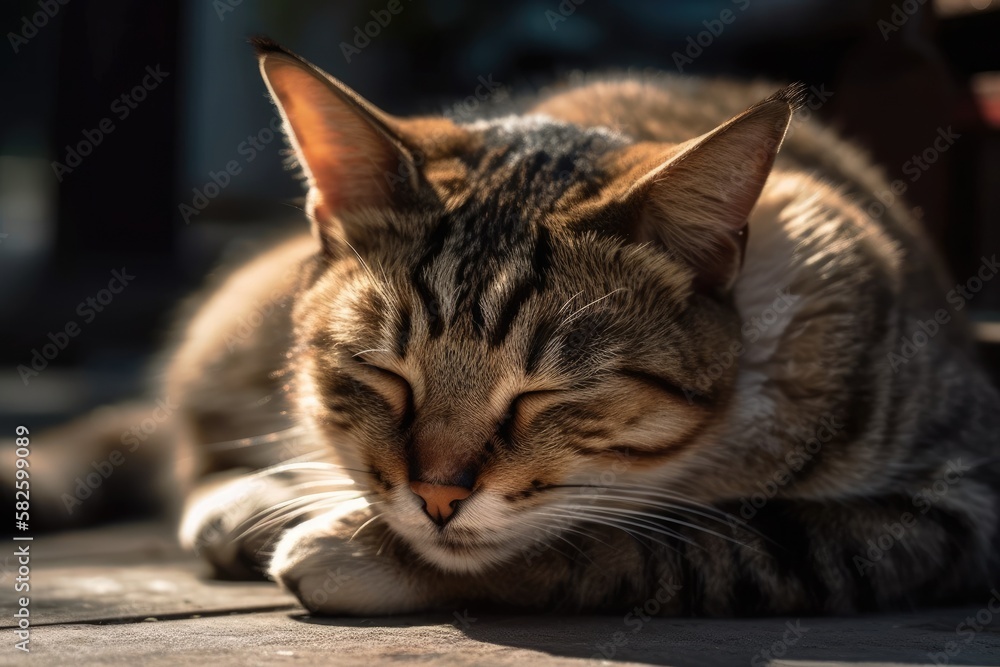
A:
(628, 339)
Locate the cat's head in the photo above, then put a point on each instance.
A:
(506, 310)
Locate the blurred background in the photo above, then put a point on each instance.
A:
(136, 136)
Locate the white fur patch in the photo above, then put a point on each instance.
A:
(765, 292)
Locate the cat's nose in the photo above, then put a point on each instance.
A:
(440, 500)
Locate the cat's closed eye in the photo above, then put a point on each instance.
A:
(392, 386)
(523, 410)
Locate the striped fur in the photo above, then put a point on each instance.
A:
(562, 310)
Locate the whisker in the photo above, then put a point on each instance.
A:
(386, 541)
(669, 519)
(569, 301)
(288, 510)
(604, 521)
(574, 315)
(297, 466)
(645, 524)
(654, 503)
(316, 484)
(274, 438)
(556, 535)
(557, 549)
(331, 495)
(378, 285)
(365, 524)
(290, 515)
(581, 532)
(666, 493)
(685, 506)
(653, 489)
(374, 349)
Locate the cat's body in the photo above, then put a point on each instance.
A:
(593, 414)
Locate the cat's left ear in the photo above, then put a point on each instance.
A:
(351, 152)
(695, 203)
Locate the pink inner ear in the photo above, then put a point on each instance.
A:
(348, 160)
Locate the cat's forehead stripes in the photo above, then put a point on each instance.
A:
(492, 251)
(532, 159)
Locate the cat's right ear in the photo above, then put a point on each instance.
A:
(350, 151)
(694, 199)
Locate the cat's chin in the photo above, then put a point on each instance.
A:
(464, 558)
(461, 556)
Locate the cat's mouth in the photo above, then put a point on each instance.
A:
(479, 537)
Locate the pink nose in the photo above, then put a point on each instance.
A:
(439, 500)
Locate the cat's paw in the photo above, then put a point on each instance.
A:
(233, 524)
(331, 574)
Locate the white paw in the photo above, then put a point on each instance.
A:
(330, 574)
(231, 522)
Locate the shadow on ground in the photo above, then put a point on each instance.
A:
(927, 637)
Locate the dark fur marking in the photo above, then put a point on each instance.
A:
(523, 494)
(381, 480)
(541, 260)
(747, 596)
(692, 590)
(535, 283)
(505, 429)
(403, 337)
(632, 452)
(665, 385)
(435, 244)
(865, 597)
(669, 449)
(791, 547)
(521, 294)
(435, 324)
(536, 348)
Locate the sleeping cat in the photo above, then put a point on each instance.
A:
(605, 346)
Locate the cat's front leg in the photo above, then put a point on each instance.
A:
(233, 522)
(336, 564)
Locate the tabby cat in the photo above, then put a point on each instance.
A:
(590, 349)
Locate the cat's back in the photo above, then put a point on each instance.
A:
(652, 107)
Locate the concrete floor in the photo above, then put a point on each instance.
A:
(125, 595)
